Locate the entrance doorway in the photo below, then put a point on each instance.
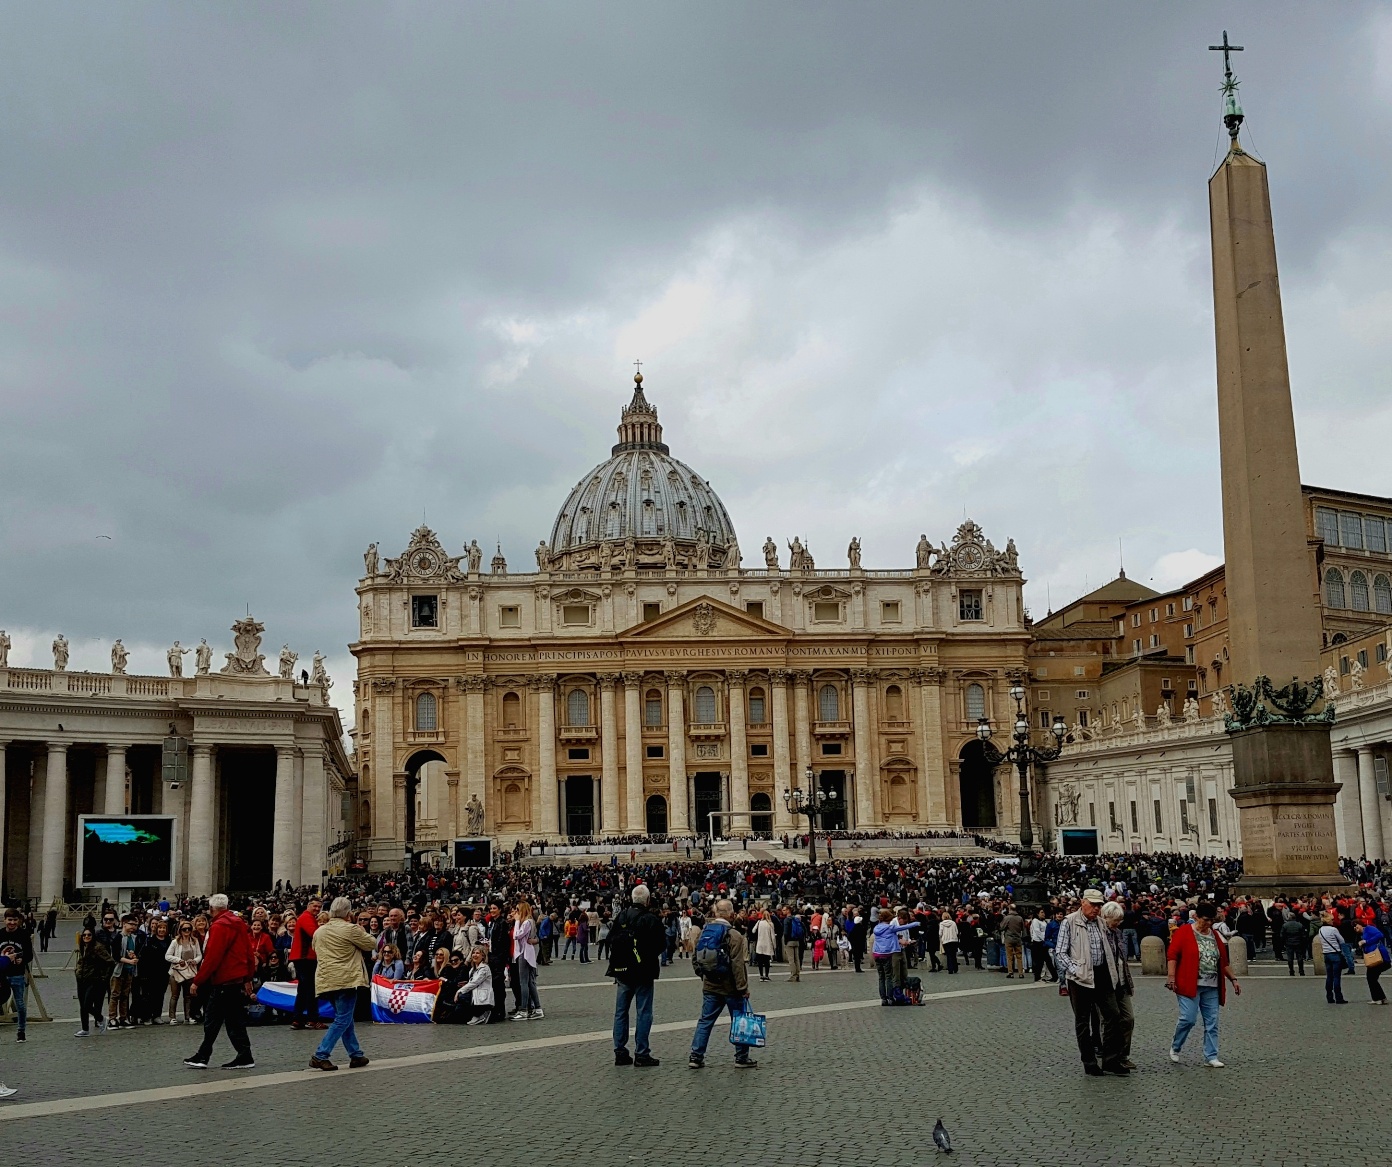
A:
(707, 788)
(251, 774)
(836, 815)
(761, 823)
(977, 779)
(657, 815)
(579, 805)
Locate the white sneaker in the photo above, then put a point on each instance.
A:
(6, 1091)
(176, 1021)
(82, 1033)
(1214, 1063)
(1174, 1054)
(535, 1015)
(520, 1015)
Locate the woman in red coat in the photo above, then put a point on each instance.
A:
(1198, 976)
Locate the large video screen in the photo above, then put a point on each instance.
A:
(473, 852)
(126, 850)
(1080, 841)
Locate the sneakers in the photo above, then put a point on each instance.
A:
(747, 1064)
(535, 1015)
(623, 1058)
(82, 1033)
(520, 1015)
(358, 1062)
(19, 1036)
(239, 1064)
(645, 1061)
(176, 1021)
(695, 1063)
(317, 1063)
(7, 1091)
(1214, 1063)
(1174, 1055)
(197, 1062)
(482, 1020)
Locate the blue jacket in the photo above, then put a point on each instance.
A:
(1372, 939)
(887, 937)
(1051, 931)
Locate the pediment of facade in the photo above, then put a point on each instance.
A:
(706, 619)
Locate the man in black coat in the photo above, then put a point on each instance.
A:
(637, 941)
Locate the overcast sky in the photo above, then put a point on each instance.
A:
(276, 280)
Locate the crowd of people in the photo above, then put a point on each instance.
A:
(478, 934)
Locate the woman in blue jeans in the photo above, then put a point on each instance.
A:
(1331, 943)
(1199, 976)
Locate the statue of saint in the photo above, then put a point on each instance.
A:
(732, 555)
(287, 663)
(204, 657)
(630, 552)
(543, 556)
(770, 554)
(1331, 682)
(606, 556)
(5, 646)
(119, 657)
(795, 554)
(669, 551)
(474, 809)
(318, 675)
(60, 653)
(1355, 676)
(702, 548)
(370, 560)
(1220, 702)
(853, 553)
(175, 657)
(475, 554)
(1012, 557)
(923, 553)
(1162, 713)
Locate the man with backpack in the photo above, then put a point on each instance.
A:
(637, 942)
(721, 959)
(794, 940)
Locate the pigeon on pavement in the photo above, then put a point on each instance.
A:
(940, 1137)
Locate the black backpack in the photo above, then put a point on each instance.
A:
(624, 957)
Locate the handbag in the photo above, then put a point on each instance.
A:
(1373, 959)
(748, 1028)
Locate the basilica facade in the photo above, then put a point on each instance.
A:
(641, 679)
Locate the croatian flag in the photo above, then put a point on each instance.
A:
(403, 1002)
(280, 995)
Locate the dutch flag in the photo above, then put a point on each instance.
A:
(403, 1002)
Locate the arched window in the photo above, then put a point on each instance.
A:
(828, 704)
(1334, 588)
(426, 712)
(894, 703)
(756, 707)
(1358, 592)
(652, 708)
(705, 705)
(1382, 595)
(976, 702)
(512, 711)
(578, 707)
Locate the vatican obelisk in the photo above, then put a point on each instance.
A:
(1283, 770)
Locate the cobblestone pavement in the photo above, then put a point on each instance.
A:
(840, 1083)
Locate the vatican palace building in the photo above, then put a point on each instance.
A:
(641, 679)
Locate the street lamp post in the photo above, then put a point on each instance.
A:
(812, 802)
(1030, 892)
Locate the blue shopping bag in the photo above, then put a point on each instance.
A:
(748, 1028)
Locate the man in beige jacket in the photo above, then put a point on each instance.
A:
(339, 946)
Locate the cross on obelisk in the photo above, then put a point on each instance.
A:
(1232, 112)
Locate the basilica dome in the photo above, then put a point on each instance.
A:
(642, 508)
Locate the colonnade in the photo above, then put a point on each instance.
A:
(1362, 817)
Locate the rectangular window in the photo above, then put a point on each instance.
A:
(1135, 819)
(1154, 615)
(1189, 655)
(1045, 719)
(756, 709)
(1041, 694)
(969, 604)
(1189, 790)
(1169, 609)
(1135, 619)
(653, 751)
(425, 611)
(578, 754)
(754, 608)
(1363, 657)
(1082, 718)
(1184, 817)
(1351, 529)
(759, 750)
(1121, 627)
(1380, 774)
(1041, 671)
(1188, 630)
(1380, 654)
(1188, 603)
(1213, 817)
(1154, 640)
(1193, 686)
(1344, 665)
(652, 712)
(889, 612)
(1327, 525)
(575, 613)
(1375, 533)
(509, 616)
(1080, 694)
(831, 748)
(1111, 814)
(651, 611)
(826, 611)
(1136, 646)
(1165, 684)
(1092, 814)
(1159, 822)
(1080, 670)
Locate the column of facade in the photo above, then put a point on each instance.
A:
(114, 796)
(864, 748)
(55, 815)
(283, 818)
(931, 780)
(545, 812)
(782, 778)
(452, 801)
(399, 794)
(1373, 843)
(802, 728)
(200, 844)
(739, 752)
(474, 743)
(387, 823)
(1348, 820)
(609, 755)
(3, 791)
(678, 818)
(38, 791)
(297, 808)
(314, 841)
(635, 820)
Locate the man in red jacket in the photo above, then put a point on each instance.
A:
(302, 954)
(223, 983)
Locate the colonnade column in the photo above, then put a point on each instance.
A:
(1348, 819)
(678, 819)
(114, 797)
(200, 846)
(802, 728)
(3, 785)
(314, 841)
(782, 777)
(634, 818)
(55, 814)
(739, 752)
(545, 812)
(474, 746)
(864, 749)
(398, 799)
(38, 791)
(1372, 809)
(283, 818)
(609, 755)
(932, 792)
